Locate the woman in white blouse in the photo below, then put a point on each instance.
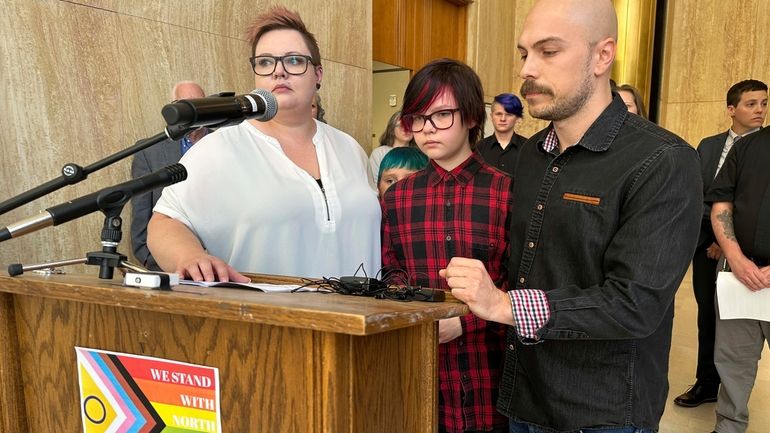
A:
(290, 196)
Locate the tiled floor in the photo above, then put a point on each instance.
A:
(682, 374)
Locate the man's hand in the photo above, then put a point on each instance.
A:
(749, 274)
(766, 272)
(449, 329)
(470, 282)
(713, 251)
(205, 267)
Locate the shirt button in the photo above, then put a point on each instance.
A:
(539, 207)
(521, 280)
(510, 347)
(460, 343)
(555, 169)
(449, 237)
(531, 245)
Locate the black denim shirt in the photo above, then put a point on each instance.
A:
(607, 229)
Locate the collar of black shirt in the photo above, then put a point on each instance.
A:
(602, 132)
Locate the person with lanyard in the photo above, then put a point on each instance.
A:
(152, 159)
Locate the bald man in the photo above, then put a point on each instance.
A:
(150, 160)
(605, 219)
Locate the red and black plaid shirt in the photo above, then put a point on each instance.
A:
(428, 218)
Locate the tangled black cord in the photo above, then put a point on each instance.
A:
(394, 284)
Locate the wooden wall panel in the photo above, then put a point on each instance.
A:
(433, 29)
(494, 29)
(710, 45)
(81, 80)
(492, 46)
(388, 31)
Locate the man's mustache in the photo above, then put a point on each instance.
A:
(530, 86)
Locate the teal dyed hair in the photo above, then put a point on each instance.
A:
(410, 158)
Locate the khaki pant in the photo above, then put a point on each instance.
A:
(737, 351)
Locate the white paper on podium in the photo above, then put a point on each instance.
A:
(736, 301)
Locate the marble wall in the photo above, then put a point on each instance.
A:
(710, 45)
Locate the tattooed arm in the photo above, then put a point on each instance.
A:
(744, 269)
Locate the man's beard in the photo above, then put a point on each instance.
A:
(561, 107)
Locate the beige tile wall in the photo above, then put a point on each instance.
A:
(710, 45)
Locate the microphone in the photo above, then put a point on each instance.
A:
(106, 199)
(221, 110)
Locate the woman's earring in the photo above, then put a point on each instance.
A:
(317, 86)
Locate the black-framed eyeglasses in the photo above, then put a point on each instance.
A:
(293, 64)
(441, 119)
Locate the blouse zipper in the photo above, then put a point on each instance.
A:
(328, 214)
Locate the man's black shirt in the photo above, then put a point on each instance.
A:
(744, 181)
(502, 159)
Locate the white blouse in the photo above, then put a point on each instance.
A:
(251, 206)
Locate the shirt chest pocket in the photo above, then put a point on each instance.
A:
(586, 210)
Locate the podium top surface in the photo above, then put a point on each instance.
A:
(325, 312)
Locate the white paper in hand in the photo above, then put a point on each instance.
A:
(736, 301)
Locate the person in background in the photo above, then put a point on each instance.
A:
(458, 205)
(740, 216)
(150, 160)
(398, 164)
(747, 108)
(633, 99)
(394, 136)
(604, 224)
(501, 149)
(291, 183)
(318, 110)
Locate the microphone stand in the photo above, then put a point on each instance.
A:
(107, 259)
(73, 173)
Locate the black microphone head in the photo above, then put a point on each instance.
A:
(177, 171)
(178, 113)
(15, 269)
(271, 104)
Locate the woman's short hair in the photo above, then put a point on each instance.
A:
(388, 136)
(446, 75)
(637, 98)
(277, 18)
(410, 158)
(510, 103)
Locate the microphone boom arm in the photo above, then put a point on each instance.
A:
(73, 173)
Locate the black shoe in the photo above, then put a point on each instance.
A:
(697, 395)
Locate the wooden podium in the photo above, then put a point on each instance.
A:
(301, 362)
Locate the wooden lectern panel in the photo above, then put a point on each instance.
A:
(272, 378)
(12, 406)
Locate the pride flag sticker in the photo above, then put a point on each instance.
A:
(123, 393)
